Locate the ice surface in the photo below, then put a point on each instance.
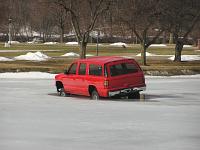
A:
(32, 117)
(37, 56)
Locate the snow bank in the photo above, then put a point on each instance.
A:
(158, 45)
(89, 55)
(187, 46)
(5, 59)
(37, 56)
(50, 43)
(71, 54)
(71, 43)
(119, 44)
(27, 75)
(15, 42)
(147, 54)
(187, 57)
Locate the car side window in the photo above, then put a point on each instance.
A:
(72, 69)
(95, 70)
(82, 69)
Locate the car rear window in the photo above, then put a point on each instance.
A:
(123, 68)
(95, 70)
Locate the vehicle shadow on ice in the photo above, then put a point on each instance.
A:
(143, 97)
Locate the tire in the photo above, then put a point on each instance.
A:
(135, 95)
(95, 95)
(61, 92)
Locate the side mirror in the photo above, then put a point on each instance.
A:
(66, 71)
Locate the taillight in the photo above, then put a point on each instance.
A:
(106, 83)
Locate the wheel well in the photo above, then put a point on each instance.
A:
(59, 85)
(91, 88)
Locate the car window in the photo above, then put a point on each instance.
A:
(72, 69)
(95, 70)
(82, 69)
(123, 68)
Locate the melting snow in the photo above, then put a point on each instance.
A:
(71, 54)
(50, 43)
(187, 46)
(72, 43)
(158, 45)
(119, 44)
(5, 59)
(187, 57)
(147, 54)
(37, 56)
(89, 55)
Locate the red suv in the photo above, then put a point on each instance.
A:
(106, 76)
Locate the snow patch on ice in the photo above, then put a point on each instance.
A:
(71, 43)
(119, 44)
(71, 54)
(5, 59)
(147, 54)
(37, 56)
(27, 75)
(187, 57)
(158, 45)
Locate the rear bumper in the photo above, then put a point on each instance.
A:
(126, 91)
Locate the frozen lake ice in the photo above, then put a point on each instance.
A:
(32, 117)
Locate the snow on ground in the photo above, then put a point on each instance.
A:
(147, 54)
(50, 43)
(187, 46)
(71, 54)
(15, 42)
(71, 43)
(27, 75)
(89, 55)
(119, 44)
(187, 57)
(37, 56)
(5, 59)
(158, 45)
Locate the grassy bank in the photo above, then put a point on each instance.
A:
(156, 65)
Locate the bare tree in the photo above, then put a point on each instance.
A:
(83, 16)
(142, 17)
(181, 16)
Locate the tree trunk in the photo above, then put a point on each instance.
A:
(171, 38)
(83, 46)
(61, 34)
(178, 50)
(143, 54)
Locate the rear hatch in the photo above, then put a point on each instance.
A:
(124, 74)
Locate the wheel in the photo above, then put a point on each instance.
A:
(95, 95)
(61, 92)
(135, 95)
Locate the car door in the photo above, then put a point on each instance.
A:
(70, 79)
(82, 84)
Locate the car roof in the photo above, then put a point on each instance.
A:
(102, 59)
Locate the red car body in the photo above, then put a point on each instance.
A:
(105, 76)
